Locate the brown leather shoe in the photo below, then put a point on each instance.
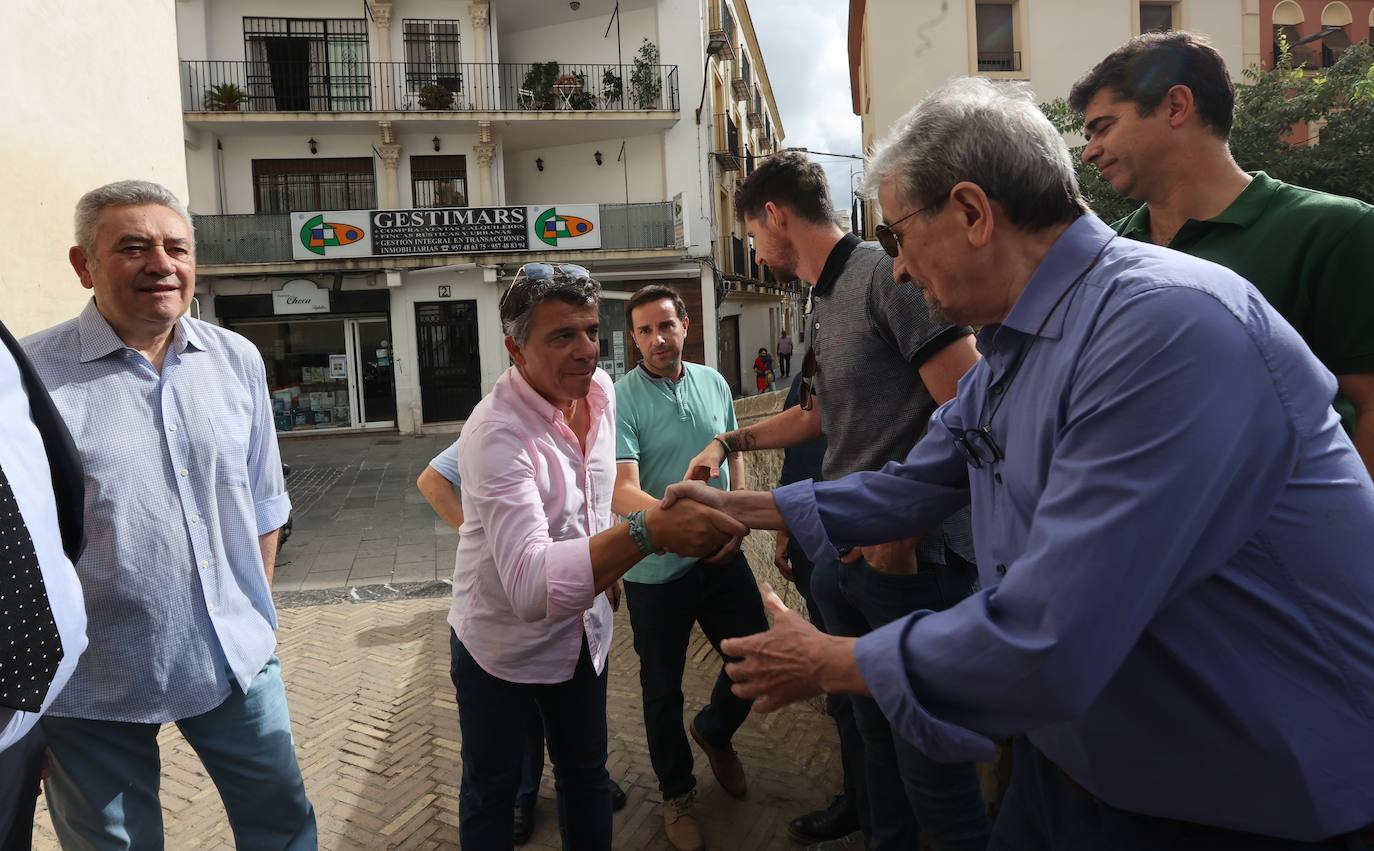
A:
(725, 764)
(679, 825)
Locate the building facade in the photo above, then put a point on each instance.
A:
(899, 52)
(367, 179)
(116, 126)
(1317, 31)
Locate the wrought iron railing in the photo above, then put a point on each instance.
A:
(348, 86)
(266, 237)
(998, 61)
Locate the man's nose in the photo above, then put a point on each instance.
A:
(900, 274)
(1091, 152)
(159, 262)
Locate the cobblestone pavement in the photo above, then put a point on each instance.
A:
(376, 731)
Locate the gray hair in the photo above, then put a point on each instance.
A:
(517, 306)
(990, 134)
(124, 193)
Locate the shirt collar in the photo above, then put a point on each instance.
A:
(98, 339)
(834, 264)
(1244, 211)
(658, 378)
(1070, 256)
(596, 398)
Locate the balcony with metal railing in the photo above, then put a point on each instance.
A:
(726, 142)
(255, 238)
(999, 60)
(260, 87)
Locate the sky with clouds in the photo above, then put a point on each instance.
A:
(805, 48)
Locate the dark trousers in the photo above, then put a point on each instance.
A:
(785, 364)
(20, 765)
(837, 706)
(531, 764)
(494, 717)
(725, 600)
(1044, 810)
(910, 796)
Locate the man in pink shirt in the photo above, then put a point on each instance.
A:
(539, 549)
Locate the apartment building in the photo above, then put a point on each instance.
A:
(367, 178)
(1317, 31)
(899, 51)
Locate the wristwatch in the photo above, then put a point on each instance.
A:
(639, 533)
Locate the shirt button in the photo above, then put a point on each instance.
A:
(996, 389)
(195, 518)
(997, 477)
(1001, 570)
(183, 472)
(172, 427)
(205, 562)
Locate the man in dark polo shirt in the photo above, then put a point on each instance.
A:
(879, 365)
(1157, 115)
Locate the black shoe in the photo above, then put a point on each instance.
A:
(618, 797)
(524, 825)
(833, 822)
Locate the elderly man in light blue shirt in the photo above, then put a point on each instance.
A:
(1173, 532)
(184, 497)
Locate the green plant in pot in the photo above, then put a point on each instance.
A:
(435, 96)
(540, 80)
(613, 88)
(224, 97)
(645, 85)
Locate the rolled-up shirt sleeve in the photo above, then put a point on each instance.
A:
(1148, 489)
(901, 500)
(542, 578)
(271, 504)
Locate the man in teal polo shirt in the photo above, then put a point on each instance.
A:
(1157, 115)
(666, 410)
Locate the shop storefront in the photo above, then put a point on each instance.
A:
(329, 354)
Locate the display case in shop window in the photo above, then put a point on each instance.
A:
(319, 401)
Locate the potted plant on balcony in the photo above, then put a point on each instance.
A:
(645, 85)
(435, 96)
(539, 82)
(224, 97)
(612, 88)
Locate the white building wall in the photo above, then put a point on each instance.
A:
(687, 144)
(93, 98)
(581, 41)
(571, 174)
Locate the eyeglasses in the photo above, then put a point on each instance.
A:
(978, 446)
(888, 238)
(805, 395)
(544, 272)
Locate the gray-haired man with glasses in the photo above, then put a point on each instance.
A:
(539, 550)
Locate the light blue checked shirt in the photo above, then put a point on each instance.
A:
(182, 476)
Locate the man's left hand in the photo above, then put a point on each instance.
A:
(726, 554)
(791, 661)
(613, 595)
(897, 558)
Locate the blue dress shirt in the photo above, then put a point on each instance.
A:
(182, 476)
(1175, 553)
(446, 465)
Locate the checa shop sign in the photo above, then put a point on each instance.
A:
(447, 230)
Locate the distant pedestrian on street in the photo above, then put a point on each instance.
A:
(785, 354)
(763, 371)
(184, 497)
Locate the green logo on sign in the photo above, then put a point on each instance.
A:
(317, 234)
(550, 227)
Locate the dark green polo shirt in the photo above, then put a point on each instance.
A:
(1310, 253)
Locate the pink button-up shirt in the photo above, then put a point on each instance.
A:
(523, 595)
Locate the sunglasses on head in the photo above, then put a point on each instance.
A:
(888, 238)
(545, 272)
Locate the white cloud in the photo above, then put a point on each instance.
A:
(805, 48)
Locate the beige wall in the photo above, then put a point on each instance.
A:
(92, 98)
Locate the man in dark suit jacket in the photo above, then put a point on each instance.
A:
(42, 493)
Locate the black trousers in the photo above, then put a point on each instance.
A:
(725, 600)
(1044, 810)
(785, 364)
(20, 765)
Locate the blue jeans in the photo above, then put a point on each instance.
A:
(103, 790)
(494, 717)
(909, 794)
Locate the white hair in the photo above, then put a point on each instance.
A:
(991, 134)
(124, 193)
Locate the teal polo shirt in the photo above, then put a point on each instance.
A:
(1310, 253)
(662, 425)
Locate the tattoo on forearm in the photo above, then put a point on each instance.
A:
(742, 440)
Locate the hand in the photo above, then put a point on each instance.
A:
(897, 558)
(725, 554)
(613, 595)
(692, 529)
(706, 466)
(791, 661)
(47, 765)
(696, 492)
(780, 558)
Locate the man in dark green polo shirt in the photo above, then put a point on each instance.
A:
(1157, 116)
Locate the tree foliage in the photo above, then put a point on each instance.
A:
(1281, 114)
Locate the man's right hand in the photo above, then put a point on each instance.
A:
(780, 558)
(692, 529)
(706, 466)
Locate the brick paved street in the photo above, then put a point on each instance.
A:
(372, 706)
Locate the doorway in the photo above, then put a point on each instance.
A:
(375, 386)
(450, 367)
(729, 352)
